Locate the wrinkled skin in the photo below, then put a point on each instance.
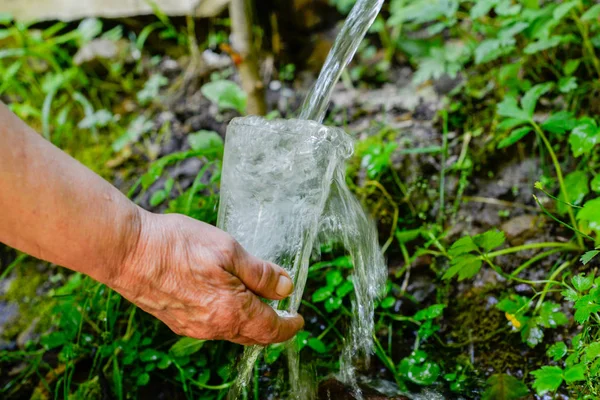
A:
(203, 284)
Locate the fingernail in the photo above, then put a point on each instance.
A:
(284, 286)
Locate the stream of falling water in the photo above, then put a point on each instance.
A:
(283, 188)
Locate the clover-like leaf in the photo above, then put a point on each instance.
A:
(584, 137)
(489, 240)
(465, 266)
(582, 282)
(547, 379)
(557, 351)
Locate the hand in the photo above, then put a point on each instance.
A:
(200, 282)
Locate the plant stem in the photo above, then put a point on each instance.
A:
(564, 266)
(533, 260)
(443, 166)
(530, 246)
(559, 175)
(587, 42)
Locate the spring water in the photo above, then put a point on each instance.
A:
(283, 189)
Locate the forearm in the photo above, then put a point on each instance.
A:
(54, 208)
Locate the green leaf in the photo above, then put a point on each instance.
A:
(332, 303)
(551, 316)
(492, 49)
(272, 352)
(557, 351)
(514, 137)
(226, 94)
(563, 9)
(466, 266)
(595, 184)
(54, 340)
(427, 329)
(158, 197)
(334, 278)
(585, 306)
(588, 256)
(388, 302)
(567, 84)
(591, 213)
(117, 379)
(592, 13)
(570, 295)
(462, 246)
(510, 123)
(575, 373)
(592, 351)
(506, 8)
(186, 347)
(164, 363)
(531, 333)
(577, 187)
(344, 289)
(543, 44)
(489, 240)
(417, 369)
(302, 339)
(504, 387)
(377, 158)
(430, 312)
(317, 345)
(510, 108)
(410, 235)
(149, 355)
(482, 7)
(143, 379)
(584, 137)
(571, 66)
(560, 122)
(582, 282)
(547, 379)
(322, 294)
(513, 304)
(531, 97)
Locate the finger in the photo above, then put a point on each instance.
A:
(267, 327)
(262, 277)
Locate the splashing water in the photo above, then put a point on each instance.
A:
(283, 188)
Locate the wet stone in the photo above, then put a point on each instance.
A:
(332, 389)
(521, 228)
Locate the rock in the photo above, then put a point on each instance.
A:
(332, 389)
(9, 312)
(521, 228)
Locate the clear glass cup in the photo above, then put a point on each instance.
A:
(275, 181)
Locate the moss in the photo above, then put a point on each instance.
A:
(479, 326)
(88, 390)
(24, 290)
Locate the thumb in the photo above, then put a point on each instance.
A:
(262, 277)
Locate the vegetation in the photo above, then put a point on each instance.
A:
(471, 308)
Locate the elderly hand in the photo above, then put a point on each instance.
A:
(200, 282)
